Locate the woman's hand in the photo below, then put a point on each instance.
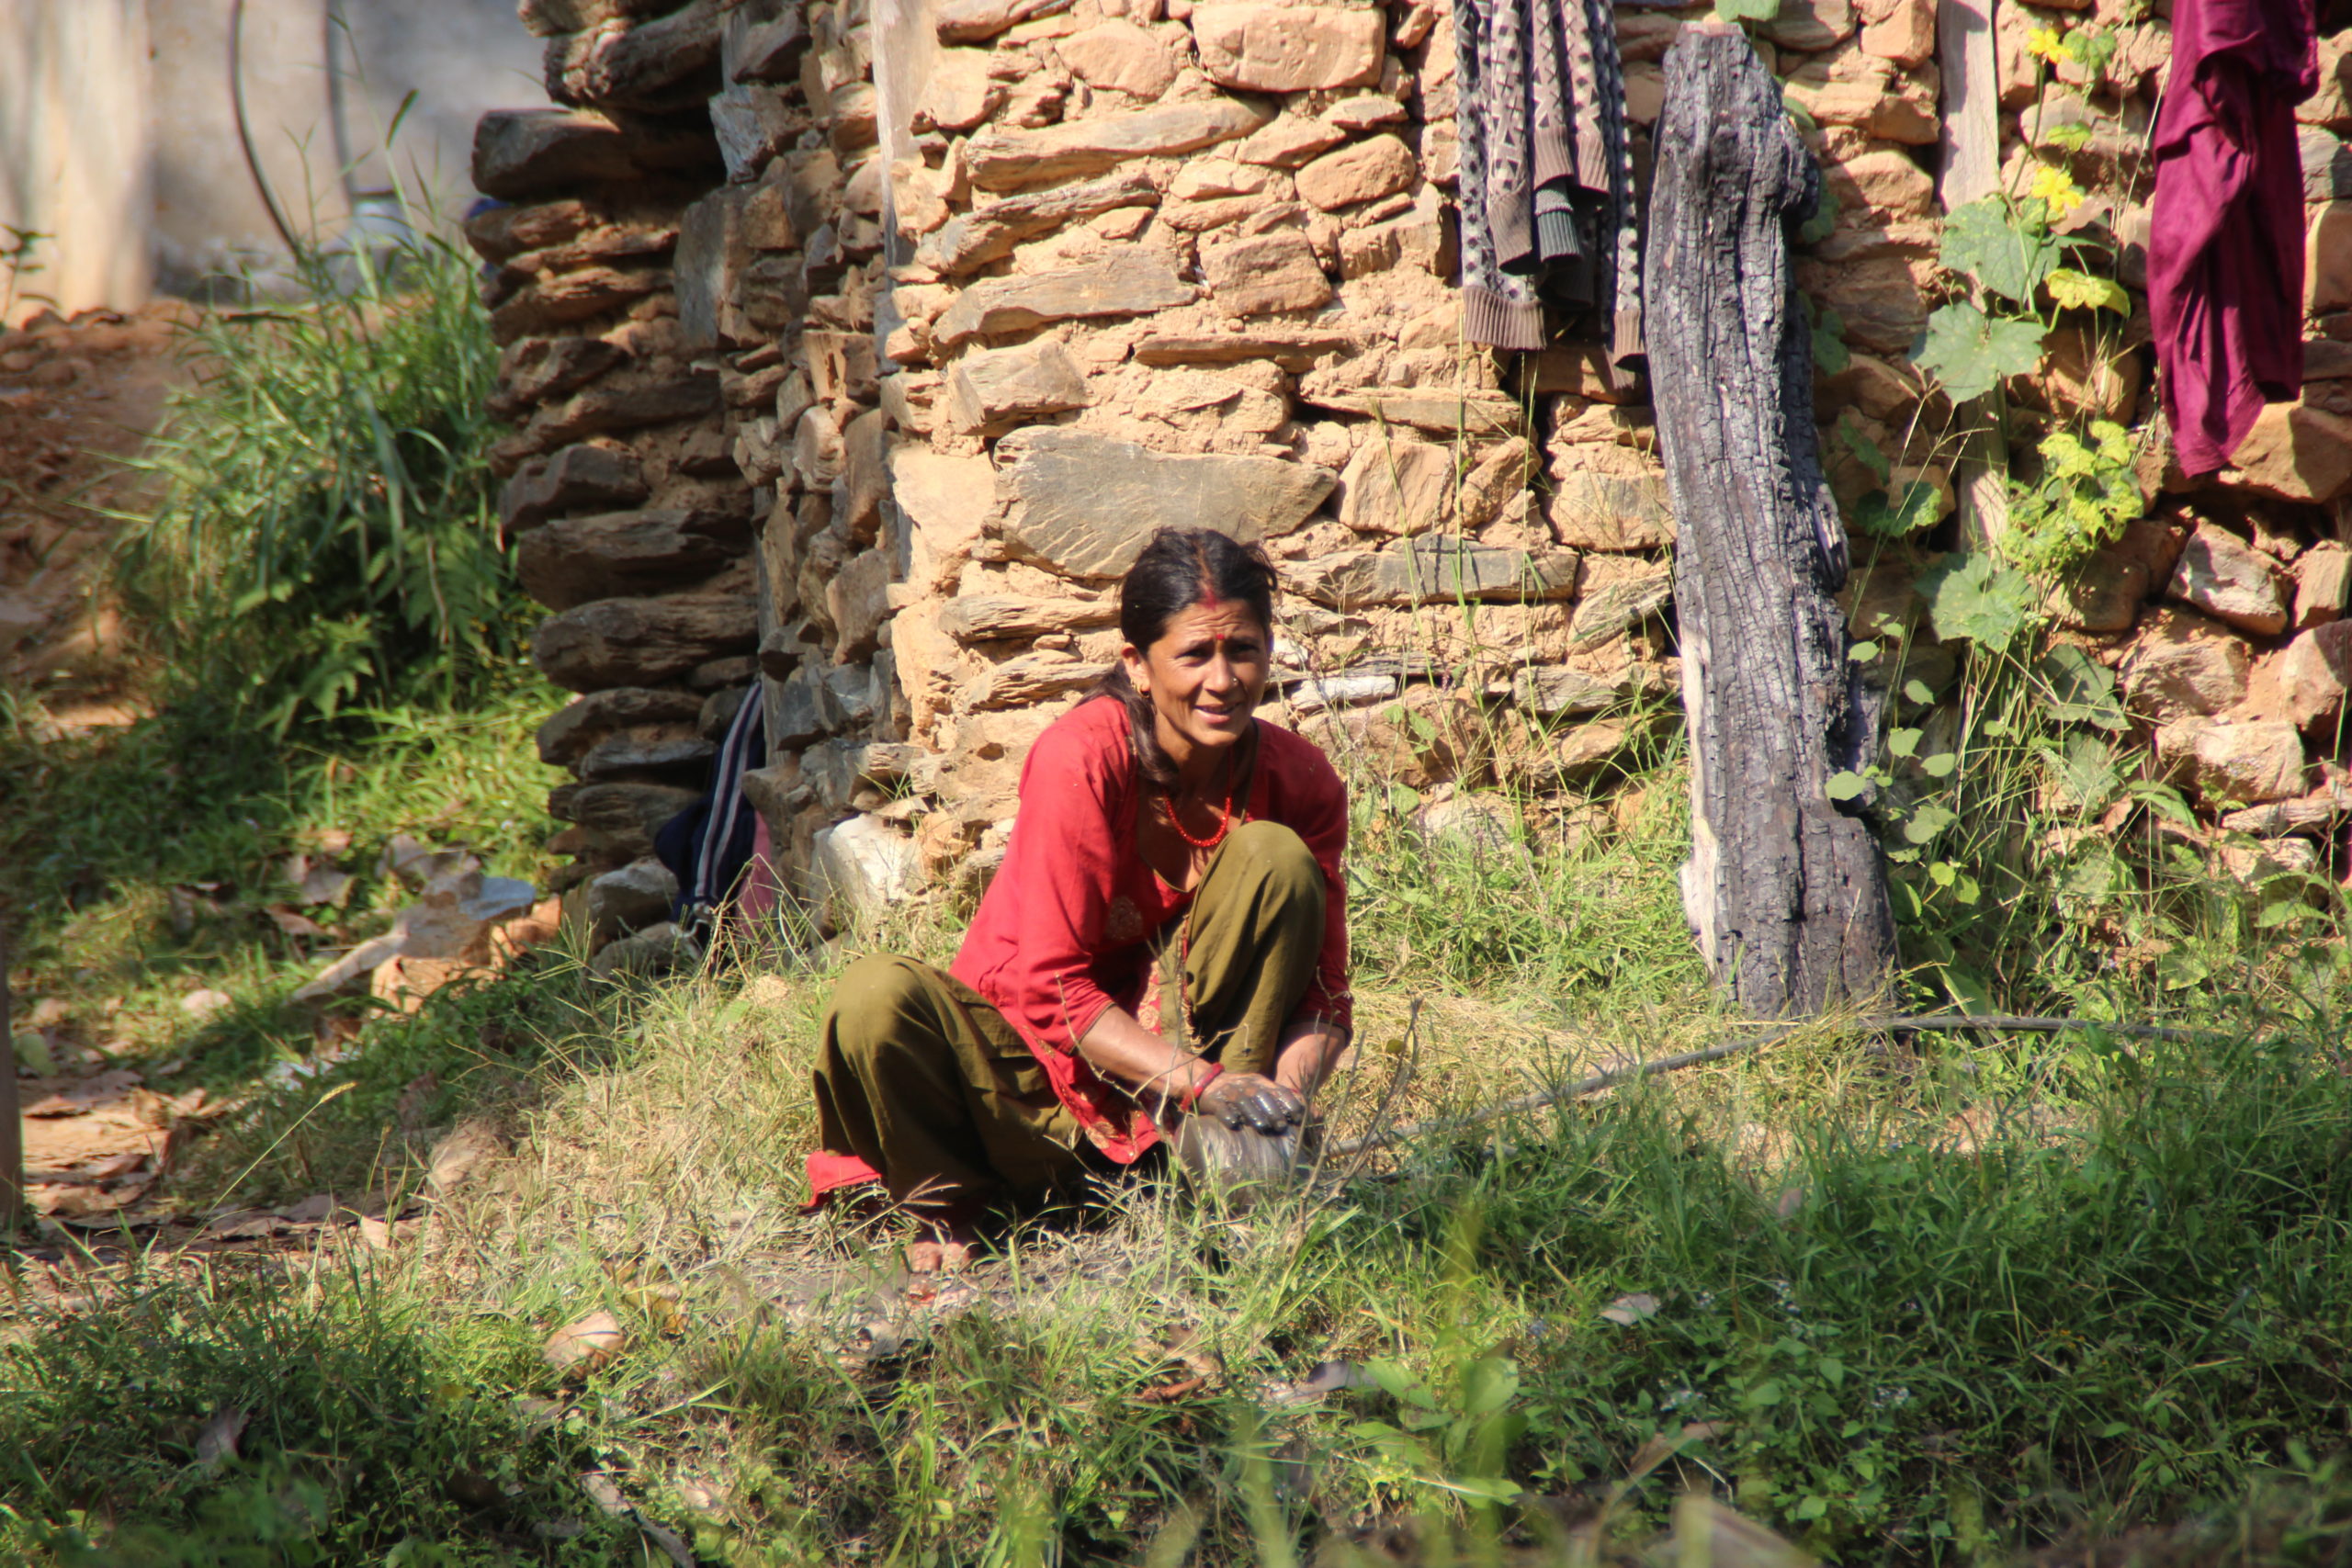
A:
(1240, 1099)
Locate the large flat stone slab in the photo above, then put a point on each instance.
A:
(1433, 569)
(1006, 159)
(1288, 49)
(981, 236)
(1129, 283)
(576, 559)
(1085, 504)
(643, 642)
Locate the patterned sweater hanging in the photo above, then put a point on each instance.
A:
(1547, 176)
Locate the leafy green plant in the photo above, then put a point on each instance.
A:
(328, 534)
(250, 1420)
(1456, 1437)
(2087, 493)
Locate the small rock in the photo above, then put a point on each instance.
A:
(1363, 171)
(2181, 664)
(1288, 49)
(2229, 579)
(2323, 585)
(1290, 141)
(205, 1003)
(638, 895)
(2249, 763)
(583, 1345)
(1266, 272)
(2315, 673)
(1398, 486)
(1014, 385)
(1120, 55)
(1621, 603)
(2104, 595)
(1319, 692)
(2296, 452)
(656, 949)
(863, 867)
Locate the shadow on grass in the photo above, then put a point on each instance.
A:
(152, 881)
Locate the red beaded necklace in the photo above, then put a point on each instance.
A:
(1224, 826)
(1225, 821)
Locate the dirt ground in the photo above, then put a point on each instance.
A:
(76, 398)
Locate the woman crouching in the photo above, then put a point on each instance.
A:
(1167, 937)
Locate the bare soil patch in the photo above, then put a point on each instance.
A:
(76, 399)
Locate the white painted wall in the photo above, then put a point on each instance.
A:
(118, 133)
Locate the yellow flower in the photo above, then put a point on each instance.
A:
(2045, 43)
(2057, 187)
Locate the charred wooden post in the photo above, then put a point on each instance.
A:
(1785, 892)
(12, 1127)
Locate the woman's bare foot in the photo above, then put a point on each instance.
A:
(943, 1249)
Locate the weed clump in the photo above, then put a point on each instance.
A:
(328, 534)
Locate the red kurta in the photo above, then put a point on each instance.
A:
(2225, 248)
(1064, 932)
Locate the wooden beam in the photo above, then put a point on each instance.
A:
(1971, 100)
(1971, 158)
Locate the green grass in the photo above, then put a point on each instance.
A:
(327, 535)
(144, 863)
(1948, 1301)
(2124, 1311)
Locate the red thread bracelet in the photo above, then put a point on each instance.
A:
(1191, 1097)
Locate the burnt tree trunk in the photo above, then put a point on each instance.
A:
(1785, 892)
(12, 1126)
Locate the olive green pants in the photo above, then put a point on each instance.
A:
(925, 1081)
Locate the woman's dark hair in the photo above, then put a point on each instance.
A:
(1178, 569)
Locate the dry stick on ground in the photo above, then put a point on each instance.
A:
(1935, 1024)
(1785, 890)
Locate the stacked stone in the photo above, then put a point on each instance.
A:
(630, 517)
(970, 295)
(2222, 609)
(782, 275)
(1142, 266)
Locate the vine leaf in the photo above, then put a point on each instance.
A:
(1864, 449)
(2078, 689)
(1918, 508)
(1747, 10)
(2080, 291)
(1829, 353)
(1978, 598)
(1972, 354)
(1984, 241)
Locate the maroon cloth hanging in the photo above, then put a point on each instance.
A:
(2226, 254)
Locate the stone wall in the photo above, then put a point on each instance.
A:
(630, 515)
(978, 292)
